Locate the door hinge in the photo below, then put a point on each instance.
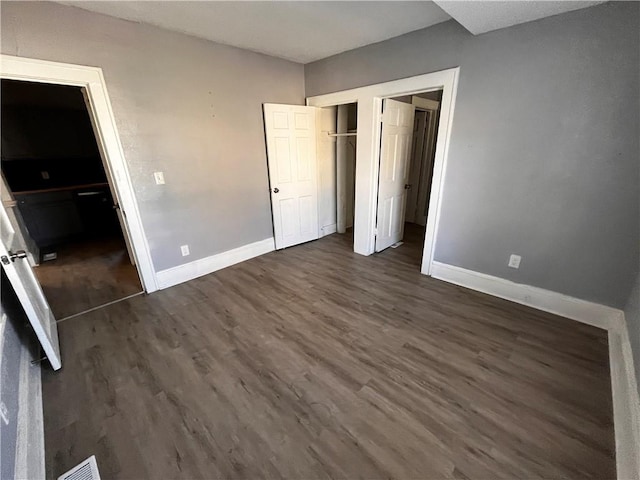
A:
(117, 207)
(375, 231)
(38, 360)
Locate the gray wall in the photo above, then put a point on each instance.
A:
(187, 107)
(21, 456)
(544, 157)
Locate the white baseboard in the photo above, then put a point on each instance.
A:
(328, 230)
(586, 312)
(197, 268)
(626, 402)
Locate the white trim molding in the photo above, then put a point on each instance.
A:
(626, 404)
(593, 314)
(369, 100)
(626, 400)
(425, 103)
(92, 80)
(188, 271)
(328, 230)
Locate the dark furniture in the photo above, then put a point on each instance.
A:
(65, 214)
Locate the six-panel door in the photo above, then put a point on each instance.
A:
(291, 155)
(397, 133)
(28, 290)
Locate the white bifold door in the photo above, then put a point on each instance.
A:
(291, 157)
(395, 151)
(27, 289)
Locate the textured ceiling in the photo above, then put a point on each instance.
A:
(481, 16)
(305, 31)
(301, 31)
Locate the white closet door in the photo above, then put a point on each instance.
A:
(291, 157)
(395, 150)
(28, 290)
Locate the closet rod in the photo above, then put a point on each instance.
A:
(342, 134)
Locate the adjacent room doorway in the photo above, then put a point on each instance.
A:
(407, 153)
(18, 250)
(62, 200)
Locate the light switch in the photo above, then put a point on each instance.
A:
(159, 177)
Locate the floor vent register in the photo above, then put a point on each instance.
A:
(87, 470)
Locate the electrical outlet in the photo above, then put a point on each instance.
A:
(159, 177)
(514, 261)
(45, 175)
(185, 250)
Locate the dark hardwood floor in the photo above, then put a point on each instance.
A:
(410, 252)
(315, 362)
(87, 274)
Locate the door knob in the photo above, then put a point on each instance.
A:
(13, 256)
(407, 186)
(276, 190)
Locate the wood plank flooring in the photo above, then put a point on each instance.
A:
(314, 363)
(87, 274)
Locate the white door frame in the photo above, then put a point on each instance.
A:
(91, 78)
(369, 100)
(433, 108)
(425, 103)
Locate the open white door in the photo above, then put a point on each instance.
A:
(28, 291)
(395, 150)
(291, 157)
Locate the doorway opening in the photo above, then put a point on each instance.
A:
(61, 198)
(294, 167)
(311, 166)
(407, 154)
(370, 99)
